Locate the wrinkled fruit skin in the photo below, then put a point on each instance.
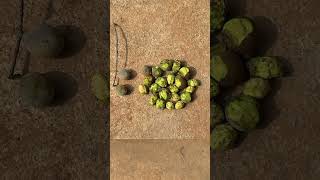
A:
(143, 89)
(160, 104)
(176, 66)
(36, 90)
(154, 88)
(190, 89)
(100, 87)
(227, 69)
(214, 88)
(256, 87)
(164, 94)
(180, 82)
(124, 74)
(170, 79)
(193, 82)
(216, 115)
(161, 81)
(185, 97)
(243, 113)
(265, 67)
(153, 100)
(175, 97)
(122, 90)
(184, 72)
(166, 65)
(179, 105)
(157, 71)
(44, 42)
(170, 105)
(148, 80)
(223, 137)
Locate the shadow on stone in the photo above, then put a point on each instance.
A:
(65, 86)
(74, 40)
(193, 73)
(266, 34)
(269, 110)
(235, 8)
(130, 88)
(133, 74)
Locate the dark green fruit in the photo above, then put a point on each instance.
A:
(238, 34)
(216, 115)
(36, 90)
(227, 69)
(100, 87)
(122, 90)
(125, 74)
(44, 41)
(223, 137)
(217, 15)
(243, 113)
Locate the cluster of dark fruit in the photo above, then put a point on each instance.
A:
(169, 83)
(232, 56)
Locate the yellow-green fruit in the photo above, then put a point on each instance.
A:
(179, 105)
(44, 41)
(122, 90)
(161, 81)
(170, 105)
(193, 82)
(176, 66)
(185, 97)
(100, 87)
(148, 80)
(170, 79)
(36, 90)
(154, 88)
(164, 94)
(143, 89)
(153, 100)
(156, 71)
(180, 82)
(175, 97)
(166, 64)
(190, 89)
(160, 104)
(184, 72)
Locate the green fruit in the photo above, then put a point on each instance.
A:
(223, 137)
(122, 90)
(36, 90)
(214, 88)
(242, 113)
(265, 67)
(193, 82)
(44, 41)
(217, 15)
(143, 89)
(180, 82)
(179, 105)
(237, 30)
(176, 66)
(216, 115)
(164, 94)
(160, 104)
(154, 88)
(124, 74)
(170, 105)
(184, 72)
(148, 80)
(175, 97)
(162, 82)
(256, 87)
(185, 97)
(170, 79)
(166, 65)
(153, 100)
(190, 89)
(157, 71)
(227, 69)
(100, 87)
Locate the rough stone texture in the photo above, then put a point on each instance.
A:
(61, 142)
(288, 145)
(156, 30)
(160, 159)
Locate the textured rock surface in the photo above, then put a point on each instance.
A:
(60, 142)
(287, 146)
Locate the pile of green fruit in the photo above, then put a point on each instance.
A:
(170, 84)
(239, 79)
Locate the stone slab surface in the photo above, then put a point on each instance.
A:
(156, 30)
(160, 160)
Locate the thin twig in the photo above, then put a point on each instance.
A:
(19, 38)
(117, 56)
